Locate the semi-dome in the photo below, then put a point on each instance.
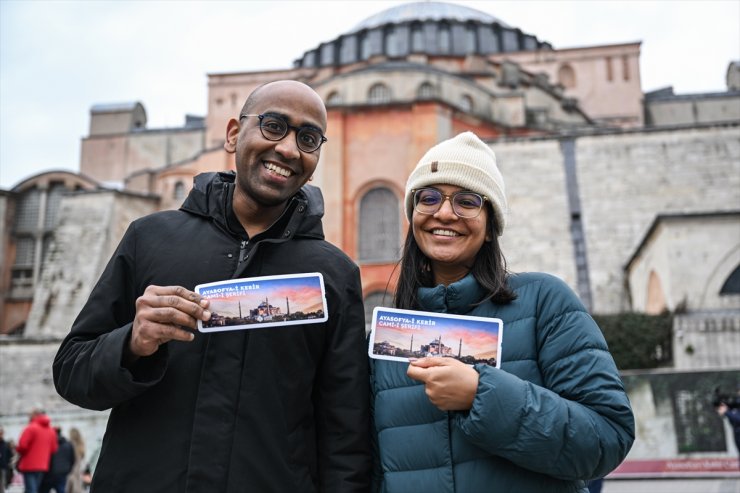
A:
(425, 11)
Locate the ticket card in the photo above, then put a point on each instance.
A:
(398, 335)
(258, 302)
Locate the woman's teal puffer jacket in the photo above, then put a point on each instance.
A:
(553, 416)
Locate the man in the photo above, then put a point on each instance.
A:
(273, 409)
(61, 464)
(6, 454)
(36, 445)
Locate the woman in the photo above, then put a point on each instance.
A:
(554, 416)
(74, 480)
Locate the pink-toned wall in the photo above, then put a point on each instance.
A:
(612, 95)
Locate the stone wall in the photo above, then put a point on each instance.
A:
(624, 181)
(706, 340)
(89, 229)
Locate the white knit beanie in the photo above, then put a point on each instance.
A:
(464, 161)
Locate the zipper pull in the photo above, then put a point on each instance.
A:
(243, 251)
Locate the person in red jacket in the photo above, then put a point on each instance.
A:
(37, 443)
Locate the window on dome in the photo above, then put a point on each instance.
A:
(417, 39)
(445, 39)
(379, 94)
(470, 40)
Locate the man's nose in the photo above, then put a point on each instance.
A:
(288, 146)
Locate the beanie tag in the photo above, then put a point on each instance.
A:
(434, 166)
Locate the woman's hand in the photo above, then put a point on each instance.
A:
(449, 383)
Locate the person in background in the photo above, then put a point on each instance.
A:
(554, 416)
(6, 464)
(36, 445)
(730, 409)
(74, 480)
(62, 462)
(281, 409)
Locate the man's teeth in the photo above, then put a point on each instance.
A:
(445, 232)
(277, 169)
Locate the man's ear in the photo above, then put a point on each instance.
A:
(232, 132)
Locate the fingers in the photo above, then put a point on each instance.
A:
(430, 361)
(448, 383)
(164, 313)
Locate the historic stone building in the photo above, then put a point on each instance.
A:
(636, 206)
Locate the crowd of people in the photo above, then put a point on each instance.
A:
(45, 459)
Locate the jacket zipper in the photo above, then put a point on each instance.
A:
(243, 251)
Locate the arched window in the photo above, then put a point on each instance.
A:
(379, 226)
(426, 91)
(567, 76)
(27, 211)
(334, 98)
(179, 192)
(53, 200)
(379, 94)
(466, 103)
(732, 284)
(390, 43)
(445, 39)
(374, 299)
(470, 39)
(417, 39)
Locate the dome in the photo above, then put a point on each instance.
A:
(422, 11)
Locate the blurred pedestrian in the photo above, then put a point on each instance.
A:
(6, 467)
(61, 465)
(36, 445)
(730, 409)
(74, 480)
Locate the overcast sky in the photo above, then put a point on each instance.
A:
(58, 58)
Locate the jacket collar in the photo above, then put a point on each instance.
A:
(456, 298)
(212, 194)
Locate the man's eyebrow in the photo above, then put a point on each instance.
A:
(287, 119)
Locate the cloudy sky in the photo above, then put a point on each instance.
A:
(58, 58)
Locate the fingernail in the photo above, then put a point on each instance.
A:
(207, 314)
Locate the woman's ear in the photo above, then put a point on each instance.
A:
(232, 133)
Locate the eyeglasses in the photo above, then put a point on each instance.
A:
(274, 128)
(464, 204)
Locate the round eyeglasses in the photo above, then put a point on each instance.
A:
(274, 128)
(466, 205)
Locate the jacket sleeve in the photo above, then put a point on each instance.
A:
(88, 368)
(578, 424)
(342, 397)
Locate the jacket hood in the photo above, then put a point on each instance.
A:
(42, 420)
(213, 191)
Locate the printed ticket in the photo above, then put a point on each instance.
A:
(398, 335)
(258, 302)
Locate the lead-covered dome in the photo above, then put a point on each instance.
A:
(425, 11)
(432, 29)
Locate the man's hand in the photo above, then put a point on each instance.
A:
(449, 383)
(165, 313)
